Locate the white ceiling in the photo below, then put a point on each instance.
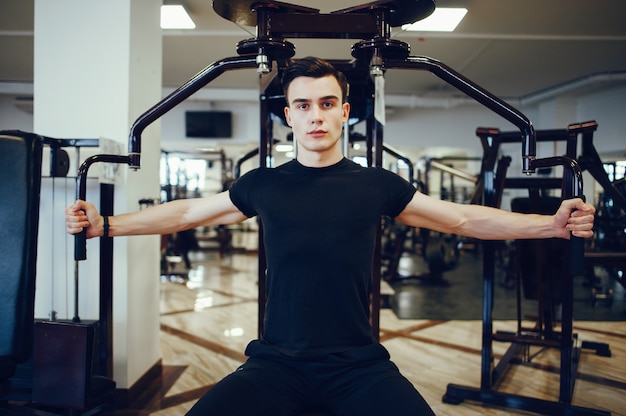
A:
(515, 49)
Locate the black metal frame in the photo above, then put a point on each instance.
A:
(493, 185)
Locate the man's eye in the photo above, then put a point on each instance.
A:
(328, 104)
(303, 106)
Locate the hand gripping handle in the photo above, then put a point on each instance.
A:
(80, 239)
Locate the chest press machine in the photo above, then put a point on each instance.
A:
(374, 53)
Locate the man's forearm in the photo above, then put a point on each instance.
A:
(160, 219)
(495, 224)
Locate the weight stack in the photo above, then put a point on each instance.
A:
(62, 363)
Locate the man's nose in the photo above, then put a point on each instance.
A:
(316, 114)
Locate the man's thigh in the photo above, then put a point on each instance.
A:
(252, 389)
(378, 390)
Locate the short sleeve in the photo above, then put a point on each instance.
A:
(400, 193)
(241, 191)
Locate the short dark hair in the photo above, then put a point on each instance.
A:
(314, 68)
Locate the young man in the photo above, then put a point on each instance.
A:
(320, 214)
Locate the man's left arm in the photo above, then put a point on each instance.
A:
(574, 217)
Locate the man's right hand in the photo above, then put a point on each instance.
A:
(81, 215)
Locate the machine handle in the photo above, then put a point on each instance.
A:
(572, 188)
(80, 246)
(484, 97)
(577, 256)
(80, 239)
(577, 251)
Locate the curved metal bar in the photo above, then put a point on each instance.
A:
(198, 81)
(133, 159)
(80, 239)
(455, 172)
(571, 166)
(395, 153)
(247, 156)
(482, 96)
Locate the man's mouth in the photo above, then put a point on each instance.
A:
(317, 133)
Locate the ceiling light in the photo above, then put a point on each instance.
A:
(174, 16)
(441, 20)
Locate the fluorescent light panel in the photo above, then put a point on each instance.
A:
(174, 16)
(441, 20)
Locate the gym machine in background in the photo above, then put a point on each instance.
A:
(440, 251)
(175, 184)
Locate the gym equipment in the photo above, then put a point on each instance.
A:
(175, 247)
(611, 256)
(439, 251)
(439, 163)
(268, 53)
(572, 255)
(48, 364)
(608, 248)
(588, 159)
(444, 249)
(20, 181)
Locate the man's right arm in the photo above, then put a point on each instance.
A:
(166, 218)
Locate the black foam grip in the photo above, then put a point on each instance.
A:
(577, 252)
(577, 255)
(80, 245)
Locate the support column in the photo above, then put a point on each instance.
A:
(97, 68)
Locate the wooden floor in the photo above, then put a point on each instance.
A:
(207, 320)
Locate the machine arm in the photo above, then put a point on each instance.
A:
(481, 95)
(133, 159)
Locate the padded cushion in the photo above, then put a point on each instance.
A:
(20, 184)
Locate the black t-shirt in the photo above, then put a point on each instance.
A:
(319, 228)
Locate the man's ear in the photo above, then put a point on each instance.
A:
(287, 116)
(346, 111)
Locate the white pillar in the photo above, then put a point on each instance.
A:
(97, 68)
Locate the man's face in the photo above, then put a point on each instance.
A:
(316, 113)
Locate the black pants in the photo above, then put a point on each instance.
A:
(359, 382)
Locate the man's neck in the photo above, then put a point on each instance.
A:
(319, 160)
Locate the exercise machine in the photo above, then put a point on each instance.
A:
(373, 54)
(607, 249)
(549, 283)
